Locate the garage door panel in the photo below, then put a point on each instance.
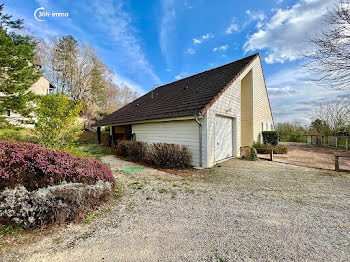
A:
(223, 137)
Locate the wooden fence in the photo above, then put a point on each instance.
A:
(339, 142)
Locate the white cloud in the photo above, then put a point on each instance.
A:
(190, 51)
(207, 36)
(167, 26)
(220, 48)
(116, 24)
(181, 75)
(281, 90)
(255, 15)
(187, 5)
(233, 27)
(200, 39)
(119, 81)
(251, 16)
(293, 94)
(197, 41)
(283, 36)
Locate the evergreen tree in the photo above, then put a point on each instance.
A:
(17, 72)
(65, 54)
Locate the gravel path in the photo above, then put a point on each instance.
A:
(239, 211)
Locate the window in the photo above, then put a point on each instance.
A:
(267, 126)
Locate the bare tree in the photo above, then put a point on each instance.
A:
(335, 116)
(330, 53)
(77, 70)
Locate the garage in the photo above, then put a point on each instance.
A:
(223, 137)
(212, 113)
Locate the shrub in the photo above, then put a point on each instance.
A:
(57, 124)
(169, 155)
(279, 149)
(133, 149)
(295, 138)
(18, 134)
(253, 154)
(35, 167)
(270, 137)
(53, 204)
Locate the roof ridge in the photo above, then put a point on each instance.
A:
(256, 54)
(203, 110)
(208, 86)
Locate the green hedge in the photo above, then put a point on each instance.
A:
(270, 137)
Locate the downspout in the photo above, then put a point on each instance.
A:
(200, 140)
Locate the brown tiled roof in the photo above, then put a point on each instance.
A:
(186, 97)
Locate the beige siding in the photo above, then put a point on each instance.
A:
(40, 87)
(173, 132)
(261, 105)
(229, 104)
(186, 132)
(247, 110)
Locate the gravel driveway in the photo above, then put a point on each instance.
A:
(239, 211)
(311, 156)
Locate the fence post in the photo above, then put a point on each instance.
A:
(347, 143)
(336, 142)
(336, 163)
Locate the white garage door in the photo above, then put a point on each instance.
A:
(223, 137)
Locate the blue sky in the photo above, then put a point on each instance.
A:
(150, 43)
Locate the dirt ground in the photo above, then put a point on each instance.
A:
(237, 211)
(311, 156)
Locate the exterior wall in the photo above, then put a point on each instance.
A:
(247, 110)
(261, 105)
(40, 87)
(229, 104)
(184, 132)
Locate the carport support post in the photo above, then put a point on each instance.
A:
(113, 135)
(98, 132)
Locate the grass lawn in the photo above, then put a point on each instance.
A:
(85, 147)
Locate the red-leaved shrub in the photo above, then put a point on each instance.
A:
(34, 166)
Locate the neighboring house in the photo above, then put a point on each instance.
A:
(214, 112)
(41, 87)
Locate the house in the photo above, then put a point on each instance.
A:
(41, 87)
(214, 112)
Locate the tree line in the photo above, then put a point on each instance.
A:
(77, 70)
(330, 119)
(74, 68)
